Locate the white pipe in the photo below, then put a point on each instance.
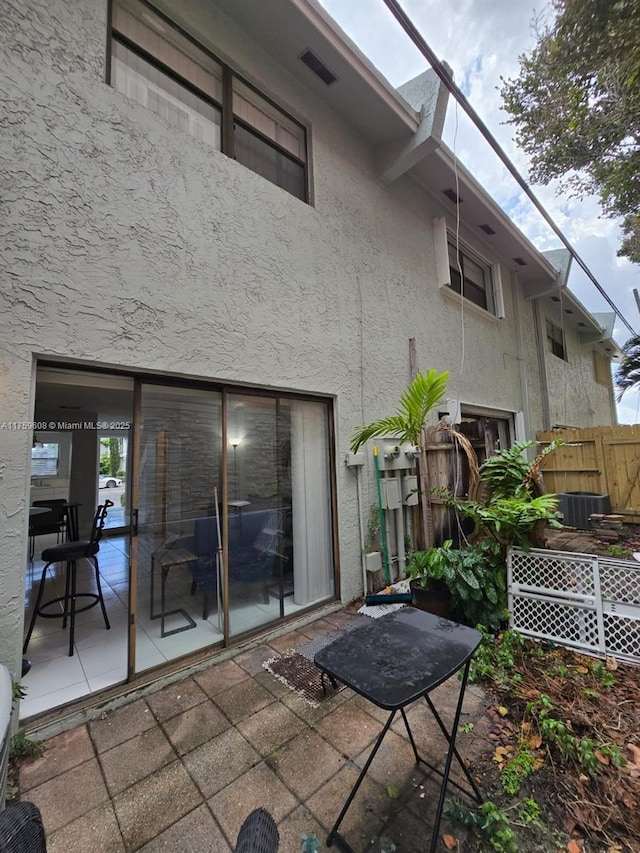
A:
(399, 513)
(365, 583)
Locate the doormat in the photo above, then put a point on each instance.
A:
(302, 677)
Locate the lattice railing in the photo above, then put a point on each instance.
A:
(579, 600)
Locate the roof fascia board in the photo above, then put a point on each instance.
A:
(348, 50)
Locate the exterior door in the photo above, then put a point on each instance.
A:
(175, 584)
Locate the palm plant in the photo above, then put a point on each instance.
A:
(418, 400)
(628, 373)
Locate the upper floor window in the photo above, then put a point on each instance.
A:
(471, 278)
(556, 341)
(162, 68)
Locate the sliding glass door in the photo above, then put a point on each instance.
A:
(279, 557)
(178, 463)
(231, 521)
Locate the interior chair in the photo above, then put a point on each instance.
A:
(21, 829)
(258, 834)
(53, 521)
(70, 553)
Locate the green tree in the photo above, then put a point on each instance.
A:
(418, 400)
(576, 106)
(627, 375)
(114, 456)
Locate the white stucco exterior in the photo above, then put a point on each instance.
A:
(127, 244)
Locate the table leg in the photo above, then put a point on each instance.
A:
(451, 737)
(164, 571)
(333, 835)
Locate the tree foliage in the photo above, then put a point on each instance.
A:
(576, 106)
(627, 375)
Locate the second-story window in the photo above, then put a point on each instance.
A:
(471, 278)
(556, 341)
(162, 68)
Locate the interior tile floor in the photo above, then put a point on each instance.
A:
(100, 656)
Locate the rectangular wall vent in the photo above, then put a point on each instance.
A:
(555, 299)
(319, 68)
(520, 261)
(487, 229)
(452, 196)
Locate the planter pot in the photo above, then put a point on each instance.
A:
(436, 600)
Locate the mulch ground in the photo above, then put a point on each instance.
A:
(585, 744)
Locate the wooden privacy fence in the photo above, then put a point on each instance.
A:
(601, 460)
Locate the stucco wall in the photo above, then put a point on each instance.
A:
(129, 244)
(576, 399)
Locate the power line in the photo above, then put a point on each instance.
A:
(443, 73)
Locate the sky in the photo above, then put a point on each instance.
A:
(481, 41)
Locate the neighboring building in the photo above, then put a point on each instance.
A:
(222, 228)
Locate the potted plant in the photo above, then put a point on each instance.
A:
(466, 584)
(428, 571)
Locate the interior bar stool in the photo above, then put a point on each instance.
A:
(70, 553)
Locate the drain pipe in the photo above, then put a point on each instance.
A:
(365, 582)
(399, 513)
(383, 529)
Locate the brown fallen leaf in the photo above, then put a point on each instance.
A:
(534, 742)
(502, 752)
(449, 842)
(603, 759)
(612, 664)
(574, 846)
(635, 752)
(582, 670)
(628, 800)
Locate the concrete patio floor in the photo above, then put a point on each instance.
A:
(180, 768)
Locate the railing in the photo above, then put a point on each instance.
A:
(582, 601)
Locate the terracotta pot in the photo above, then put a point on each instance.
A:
(436, 600)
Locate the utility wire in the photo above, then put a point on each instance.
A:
(442, 72)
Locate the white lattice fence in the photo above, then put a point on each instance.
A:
(579, 600)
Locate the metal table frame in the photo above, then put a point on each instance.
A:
(165, 559)
(360, 658)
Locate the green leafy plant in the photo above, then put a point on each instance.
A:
(496, 658)
(517, 769)
(620, 552)
(492, 823)
(408, 423)
(474, 576)
(588, 754)
(23, 747)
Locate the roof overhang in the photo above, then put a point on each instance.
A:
(361, 94)
(442, 174)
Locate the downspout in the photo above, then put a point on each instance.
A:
(542, 366)
(522, 363)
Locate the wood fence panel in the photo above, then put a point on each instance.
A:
(602, 460)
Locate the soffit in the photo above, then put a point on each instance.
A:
(361, 95)
(440, 173)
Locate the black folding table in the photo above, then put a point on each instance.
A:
(393, 661)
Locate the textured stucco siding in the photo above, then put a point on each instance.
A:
(126, 243)
(575, 398)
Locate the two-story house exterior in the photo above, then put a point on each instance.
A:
(223, 233)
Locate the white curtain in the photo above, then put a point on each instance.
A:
(310, 498)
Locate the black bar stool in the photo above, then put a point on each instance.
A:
(70, 553)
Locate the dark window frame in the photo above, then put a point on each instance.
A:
(228, 119)
(466, 287)
(556, 340)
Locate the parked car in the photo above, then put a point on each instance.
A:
(108, 482)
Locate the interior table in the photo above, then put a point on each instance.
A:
(393, 661)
